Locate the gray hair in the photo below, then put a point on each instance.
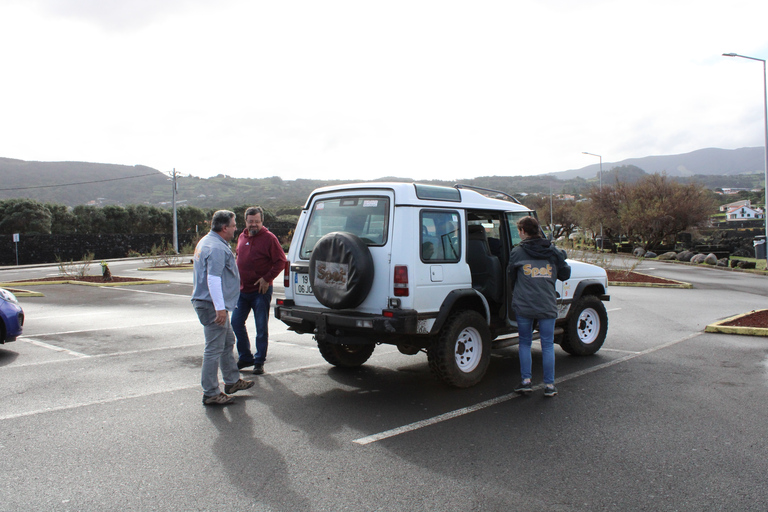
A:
(254, 210)
(221, 219)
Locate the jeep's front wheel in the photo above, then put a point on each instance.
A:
(462, 351)
(345, 356)
(586, 327)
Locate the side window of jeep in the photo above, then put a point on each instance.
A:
(364, 216)
(440, 237)
(512, 218)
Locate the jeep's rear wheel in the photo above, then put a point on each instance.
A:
(462, 351)
(586, 328)
(345, 356)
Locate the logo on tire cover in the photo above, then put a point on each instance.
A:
(331, 275)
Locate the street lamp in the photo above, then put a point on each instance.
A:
(602, 241)
(765, 151)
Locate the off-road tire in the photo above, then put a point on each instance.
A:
(586, 327)
(345, 356)
(460, 354)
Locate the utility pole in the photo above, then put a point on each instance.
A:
(173, 203)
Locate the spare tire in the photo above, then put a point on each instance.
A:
(341, 270)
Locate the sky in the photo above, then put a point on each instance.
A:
(350, 90)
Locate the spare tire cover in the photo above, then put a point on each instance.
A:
(341, 270)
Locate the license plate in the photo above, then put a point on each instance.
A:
(301, 284)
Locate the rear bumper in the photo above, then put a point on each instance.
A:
(348, 325)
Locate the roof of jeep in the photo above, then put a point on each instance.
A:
(405, 194)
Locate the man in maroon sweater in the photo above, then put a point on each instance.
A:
(260, 259)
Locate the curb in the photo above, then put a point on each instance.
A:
(82, 283)
(18, 292)
(731, 329)
(674, 283)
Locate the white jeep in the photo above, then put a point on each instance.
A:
(421, 267)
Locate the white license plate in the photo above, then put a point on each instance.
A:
(301, 284)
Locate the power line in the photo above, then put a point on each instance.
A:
(81, 183)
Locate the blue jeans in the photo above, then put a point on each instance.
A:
(259, 304)
(547, 333)
(219, 342)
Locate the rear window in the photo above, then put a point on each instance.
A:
(364, 216)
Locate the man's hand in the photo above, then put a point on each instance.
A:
(263, 285)
(221, 317)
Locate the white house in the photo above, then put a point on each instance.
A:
(737, 204)
(744, 213)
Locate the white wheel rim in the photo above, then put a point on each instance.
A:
(588, 326)
(469, 349)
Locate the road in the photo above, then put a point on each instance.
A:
(100, 410)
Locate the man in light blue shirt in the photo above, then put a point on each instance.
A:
(217, 288)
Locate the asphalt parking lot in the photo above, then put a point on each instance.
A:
(100, 410)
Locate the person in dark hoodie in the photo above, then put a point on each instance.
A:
(534, 267)
(260, 259)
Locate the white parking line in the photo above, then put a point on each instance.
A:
(32, 341)
(120, 289)
(482, 405)
(102, 329)
(135, 395)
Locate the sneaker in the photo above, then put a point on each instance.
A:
(220, 399)
(550, 390)
(243, 364)
(258, 369)
(524, 388)
(237, 386)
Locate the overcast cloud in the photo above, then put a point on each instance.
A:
(357, 89)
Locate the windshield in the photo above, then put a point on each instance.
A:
(364, 216)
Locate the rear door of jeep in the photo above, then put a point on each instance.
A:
(366, 213)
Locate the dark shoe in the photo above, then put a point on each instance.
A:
(237, 386)
(220, 399)
(258, 369)
(243, 364)
(550, 390)
(524, 388)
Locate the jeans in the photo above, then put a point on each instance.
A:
(547, 333)
(259, 304)
(219, 353)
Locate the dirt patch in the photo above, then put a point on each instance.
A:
(756, 319)
(624, 276)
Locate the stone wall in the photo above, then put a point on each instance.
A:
(72, 247)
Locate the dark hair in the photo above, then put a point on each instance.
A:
(530, 226)
(254, 210)
(221, 219)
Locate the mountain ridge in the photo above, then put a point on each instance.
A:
(76, 183)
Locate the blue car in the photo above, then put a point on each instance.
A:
(11, 317)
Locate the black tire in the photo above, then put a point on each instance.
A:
(586, 327)
(462, 351)
(345, 356)
(341, 270)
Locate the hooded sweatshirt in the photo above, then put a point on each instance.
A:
(534, 267)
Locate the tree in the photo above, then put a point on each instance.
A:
(24, 216)
(62, 219)
(191, 219)
(116, 219)
(89, 220)
(649, 211)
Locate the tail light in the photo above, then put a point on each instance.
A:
(287, 275)
(401, 281)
